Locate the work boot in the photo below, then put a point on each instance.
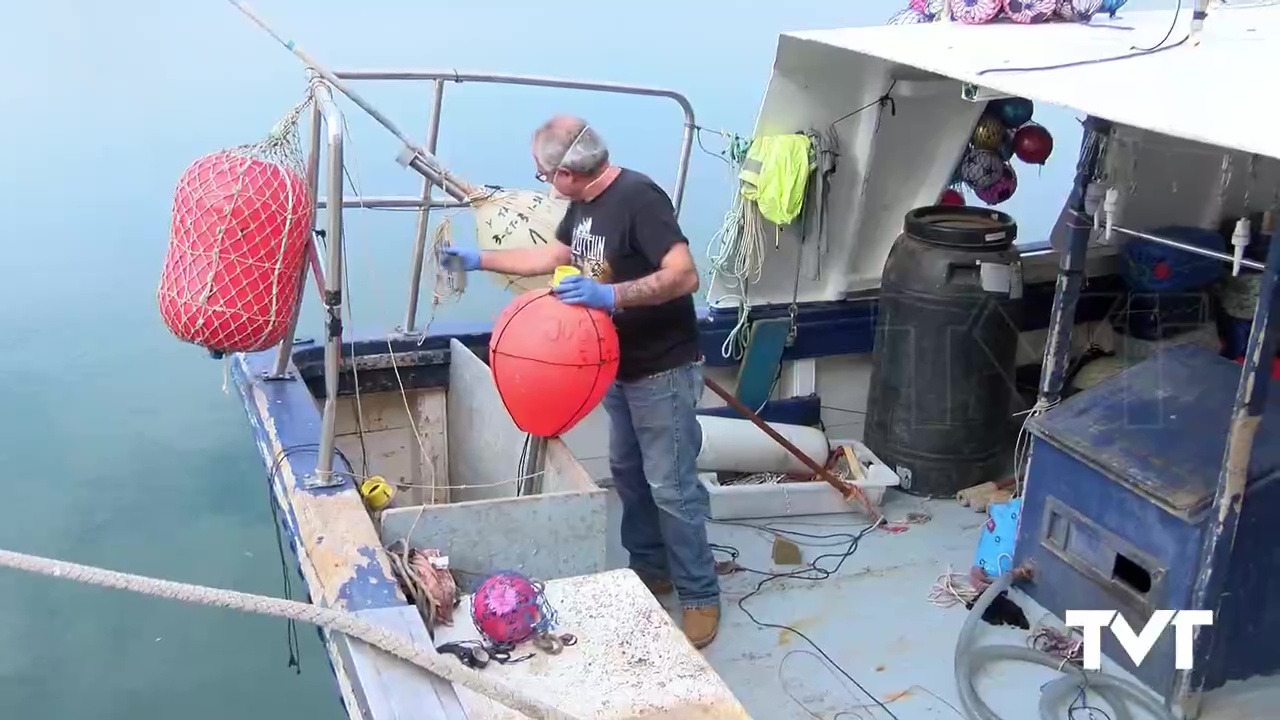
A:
(701, 624)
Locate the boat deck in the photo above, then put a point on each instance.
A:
(874, 617)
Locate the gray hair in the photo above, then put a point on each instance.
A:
(572, 144)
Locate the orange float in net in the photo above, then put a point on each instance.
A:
(238, 236)
(552, 362)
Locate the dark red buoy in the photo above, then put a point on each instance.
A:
(552, 362)
(1033, 144)
(951, 196)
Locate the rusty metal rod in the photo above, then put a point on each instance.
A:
(846, 489)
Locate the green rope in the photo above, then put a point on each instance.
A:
(736, 151)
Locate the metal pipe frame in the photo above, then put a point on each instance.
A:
(1071, 265)
(1186, 247)
(332, 292)
(326, 118)
(393, 202)
(430, 177)
(424, 215)
(281, 369)
(1251, 397)
(686, 146)
(1219, 542)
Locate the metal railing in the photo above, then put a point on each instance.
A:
(327, 123)
(427, 201)
(327, 128)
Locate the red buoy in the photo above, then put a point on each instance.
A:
(552, 362)
(951, 196)
(1032, 144)
(237, 242)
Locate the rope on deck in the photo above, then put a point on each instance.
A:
(333, 620)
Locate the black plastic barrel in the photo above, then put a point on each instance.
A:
(942, 378)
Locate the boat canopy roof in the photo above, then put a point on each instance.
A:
(1204, 92)
(901, 102)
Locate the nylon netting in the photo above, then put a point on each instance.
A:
(240, 229)
(509, 608)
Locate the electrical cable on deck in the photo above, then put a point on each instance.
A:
(1048, 639)
(853, 710)
(291, 629)
(812, 572)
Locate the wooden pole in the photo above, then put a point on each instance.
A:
(848, 490)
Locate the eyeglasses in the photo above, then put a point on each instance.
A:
(545, 177)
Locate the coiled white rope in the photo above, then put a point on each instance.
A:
(333, 620)
(737, 248)
(737, 256)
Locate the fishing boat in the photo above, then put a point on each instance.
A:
(871, 618)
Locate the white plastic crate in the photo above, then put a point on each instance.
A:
(740, 502)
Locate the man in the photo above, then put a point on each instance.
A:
(620, 230)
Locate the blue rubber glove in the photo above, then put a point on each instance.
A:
(582, 290)
(468, 257)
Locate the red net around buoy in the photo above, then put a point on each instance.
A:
(552, 362)
(238, 237)
(509, 608)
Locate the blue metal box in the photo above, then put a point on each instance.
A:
(1120, 484)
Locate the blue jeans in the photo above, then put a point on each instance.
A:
(654, 440)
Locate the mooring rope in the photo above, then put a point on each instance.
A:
(333, 620)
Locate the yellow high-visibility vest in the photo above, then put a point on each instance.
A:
(774, 175)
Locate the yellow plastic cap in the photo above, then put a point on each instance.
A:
(377, 492)
(562, 272)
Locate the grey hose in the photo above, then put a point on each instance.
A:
(1117, 692)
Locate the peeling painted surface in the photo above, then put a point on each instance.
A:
(285, 424)
(330, 527)
(1214, 587)
(1153, 466)
(370, 584)
(1163, 425)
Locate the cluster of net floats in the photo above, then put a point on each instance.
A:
(979, 12)
(1004, 131)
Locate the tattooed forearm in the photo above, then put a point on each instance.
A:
(655, 289)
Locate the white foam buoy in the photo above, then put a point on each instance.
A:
(736, 445)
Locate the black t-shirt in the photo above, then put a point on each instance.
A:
(622, 235)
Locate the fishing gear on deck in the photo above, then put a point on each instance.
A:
(477, 655)
(553, 644)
